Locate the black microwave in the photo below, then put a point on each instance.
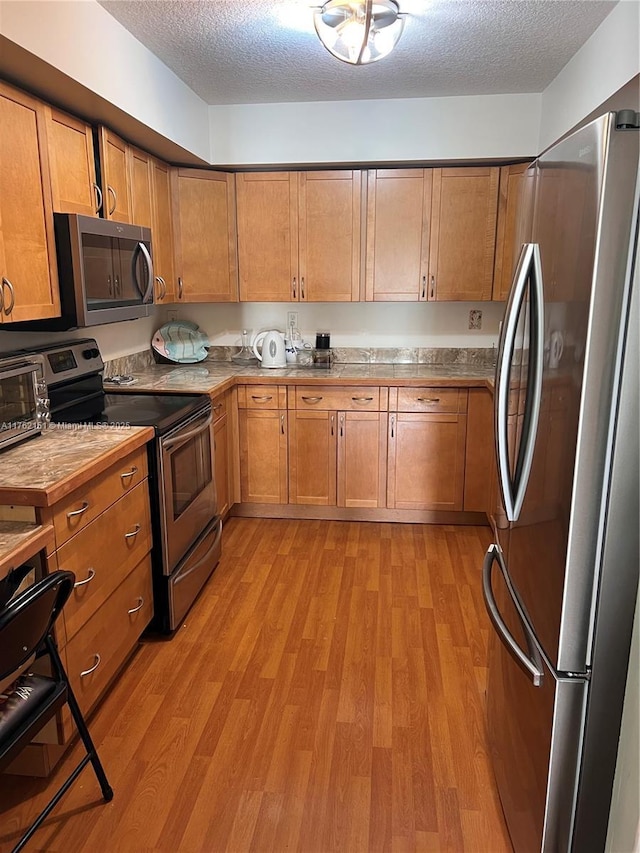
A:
(105, 272)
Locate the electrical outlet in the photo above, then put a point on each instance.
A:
(475, 319)
(292, 319)
(172, 315)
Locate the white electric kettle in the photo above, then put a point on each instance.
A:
(273, 352)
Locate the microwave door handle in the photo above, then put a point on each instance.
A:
(141, 249)
(168, 443)
(148, 294)
(503, 371)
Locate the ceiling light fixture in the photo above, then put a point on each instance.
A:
(359, 31)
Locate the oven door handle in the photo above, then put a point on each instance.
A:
(168, 443)
(204, 557)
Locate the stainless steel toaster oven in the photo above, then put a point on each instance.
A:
(24, 406)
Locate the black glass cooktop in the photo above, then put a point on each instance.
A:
(161, 411)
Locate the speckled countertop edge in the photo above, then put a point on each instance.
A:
(20, 540)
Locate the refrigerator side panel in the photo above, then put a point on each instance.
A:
(613, 623)
(610, 301)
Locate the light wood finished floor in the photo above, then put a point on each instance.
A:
(326, 693)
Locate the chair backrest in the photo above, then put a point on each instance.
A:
(27, 619)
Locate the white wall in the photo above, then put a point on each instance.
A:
(114, 340)
(358, 324)
(83, 41)
(487, 126)
(606, 61)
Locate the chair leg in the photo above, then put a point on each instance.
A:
(76, 713)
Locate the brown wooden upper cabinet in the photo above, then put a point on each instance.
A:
(162, 233)
(464, 208)
(205, 235)
(28, 274)
(140, 167)
(431, 234)
(299, 236)
(116, 197)
(72, 164)
(506, 249)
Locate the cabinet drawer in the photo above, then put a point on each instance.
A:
(104, 553)
(73, 513)
(98, 651)
(432, 400)
(219, 406)
(345, 398)
(262, 397)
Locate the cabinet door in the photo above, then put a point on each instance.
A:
(329, 235)
(480, 460)
(426, 461)
(506, 249)
(362, 459)
(221, 454)
(115, 177)
(398, 228)
(27, 248)
(268, 236)
(463, 231)
(263, 456)
(72, 164)
(140, 180)
(204, 220)
(162, 233)
(312, 458)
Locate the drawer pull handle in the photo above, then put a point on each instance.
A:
(428, 399)
(362, 399)
(75, 512)
(217, 406)
(134, 532)
(264, 399)
(139, 607)
(128, 474)
(312, 399)
(93, 668)
(88, 578)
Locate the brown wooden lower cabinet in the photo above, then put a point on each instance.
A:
(362, 459)
(337, 458)
(263, 455)
(97, 652)
(426, 460)
(103, 535)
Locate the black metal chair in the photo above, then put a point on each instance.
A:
(26, 621)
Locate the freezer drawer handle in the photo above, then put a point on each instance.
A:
(533, 667)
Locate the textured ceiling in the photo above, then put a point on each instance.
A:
(266, 51)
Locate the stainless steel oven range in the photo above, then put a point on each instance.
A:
(187, 530)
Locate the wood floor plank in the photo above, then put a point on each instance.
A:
(325, 694)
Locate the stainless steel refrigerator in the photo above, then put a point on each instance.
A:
(560, 581)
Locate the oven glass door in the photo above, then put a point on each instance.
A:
(188, 498)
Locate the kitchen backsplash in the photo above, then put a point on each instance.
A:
(481, 356)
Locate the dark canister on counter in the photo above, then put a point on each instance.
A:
(323, 340)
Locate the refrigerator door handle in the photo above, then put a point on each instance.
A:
(531, 663)
(534, 383)
(513, 488)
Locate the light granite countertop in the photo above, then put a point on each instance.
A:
(45, 468)
(19, 541)
(215, 377)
